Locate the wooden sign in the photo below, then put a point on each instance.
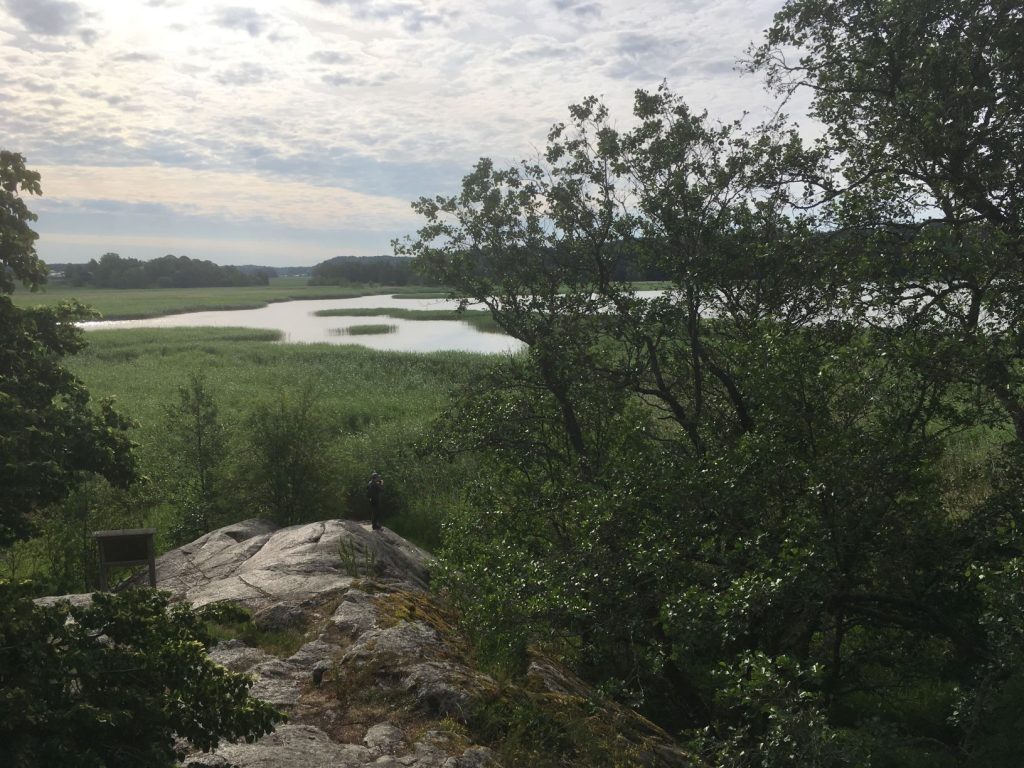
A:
(125, 548)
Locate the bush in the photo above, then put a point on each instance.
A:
(113, 683)
(288, 466)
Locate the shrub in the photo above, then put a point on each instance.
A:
(112, 683)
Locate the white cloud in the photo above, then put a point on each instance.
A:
(47, 17)
(231, 196)
(87, 246)
(175, 98)
(244, 19)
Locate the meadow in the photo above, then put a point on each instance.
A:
(130, 304)
(367, 329)
(482, 320)
(375, 406)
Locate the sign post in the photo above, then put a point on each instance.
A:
(123, 548)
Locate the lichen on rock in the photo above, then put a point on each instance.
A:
(344, 636)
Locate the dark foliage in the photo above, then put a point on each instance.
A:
(729, 505)
(115, 271)
(363, 270)
(114, 683)
(51, 438)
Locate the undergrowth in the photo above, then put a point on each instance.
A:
(228, 621)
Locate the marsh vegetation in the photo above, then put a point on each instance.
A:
(348, 410)
(124, 304)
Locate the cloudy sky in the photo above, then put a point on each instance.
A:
(285, 132)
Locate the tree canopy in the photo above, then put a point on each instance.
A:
(116, 271)
(749, 505)
(51, 437)
(380, 270)
(922, 107)
(114, 683)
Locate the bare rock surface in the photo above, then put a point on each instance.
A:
(255, 563)
(350, 594)
(346, 640)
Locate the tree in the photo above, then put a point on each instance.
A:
(197, 443)
(380, 270)
(922, 106)
(115, 271)
(725, 504)
(114, 683)
(288, 468)
(50, 436)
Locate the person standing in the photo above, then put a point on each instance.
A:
(373, 490)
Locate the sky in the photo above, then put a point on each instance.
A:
(286, 132)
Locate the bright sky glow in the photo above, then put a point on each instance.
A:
(285, 133)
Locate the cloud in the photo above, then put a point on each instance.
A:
(244, 74)
(531, 49)
(78, 246)
(722, 67)
(137, 56)
(243, 19)
(413, 17)
(330, 57)
(101, 206)
(37, 86)
(580, 9)
(642, 57)
(232, 196)
(356, 101)
(47, 17)
(338, 79)
(124, 103)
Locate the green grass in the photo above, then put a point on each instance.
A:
(232, 622)
(650, 285)
(969, 463)
(376, 405)
(368, 329)
(426, 293)
(361, 389)
(413, 293)
(479, 319)
(126, 304)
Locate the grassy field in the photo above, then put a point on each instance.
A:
(128, 304)
(479, 319)
(369, 329)
(375, 404)
(650, 285)
(421, 293)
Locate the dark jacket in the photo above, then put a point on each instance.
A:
(373, 489)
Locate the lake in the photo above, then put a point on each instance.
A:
(299, 325)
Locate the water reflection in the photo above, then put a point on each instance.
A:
(299, 325)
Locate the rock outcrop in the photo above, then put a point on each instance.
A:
(346, 639)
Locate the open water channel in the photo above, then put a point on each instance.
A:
(298, 324)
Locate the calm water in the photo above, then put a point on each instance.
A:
(299, 325)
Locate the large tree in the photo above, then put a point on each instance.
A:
(922, 106)
(117, 682)
(51, 437)
(727, 503)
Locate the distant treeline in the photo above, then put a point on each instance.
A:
(251, 269)
(398, 270)
(380, 270)
(115, 271)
